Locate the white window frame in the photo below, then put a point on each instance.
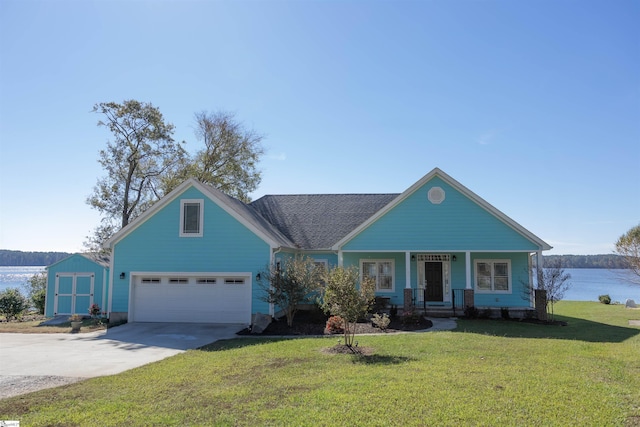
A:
(184, 202)
(377, 278)
(492, 263)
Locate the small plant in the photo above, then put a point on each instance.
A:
(411, 317)
(75, 318)
(504, 313)
(604, 299)
(381, 322)
(393, 311)
(335, 325)
(471, 312)
(94, 310)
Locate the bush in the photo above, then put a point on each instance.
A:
(471, 312)
(12, 303)
(335, 325)
(393, 311)
(381, 322)
(411, 317)
(38, 299)
(604, 299)
(504, 313)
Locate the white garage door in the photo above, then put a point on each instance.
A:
(206, 298)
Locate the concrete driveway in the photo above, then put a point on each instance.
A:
(34, 361)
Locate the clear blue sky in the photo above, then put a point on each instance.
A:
(533, 105)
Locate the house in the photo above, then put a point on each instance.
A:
(194, 255)
(76, 282)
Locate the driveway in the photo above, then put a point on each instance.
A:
(34, 361)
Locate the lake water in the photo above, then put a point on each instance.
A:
(586, 283)
(589, 283)
(16, 277)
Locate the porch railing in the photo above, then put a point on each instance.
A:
(419, 299)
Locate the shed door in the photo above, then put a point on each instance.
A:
(74, 293)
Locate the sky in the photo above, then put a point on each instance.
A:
(533, 105)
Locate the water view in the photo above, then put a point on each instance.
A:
(16, 277)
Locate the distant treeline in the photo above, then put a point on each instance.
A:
(587, 261)
(23, 259)
(19, 258)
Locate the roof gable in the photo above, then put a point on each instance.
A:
(403, 208)
(241, 212)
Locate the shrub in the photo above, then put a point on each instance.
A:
(411, 317)
(471, 312)
(335, 325)
(38, 299)
(604, 299)
(504, 313)
(94, 310)
(12, 303)
(381, 322)
(393, 311)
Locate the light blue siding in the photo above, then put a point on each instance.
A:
(65, 269)
(156, 246)
(457, 224)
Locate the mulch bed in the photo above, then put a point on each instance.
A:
(313, 323)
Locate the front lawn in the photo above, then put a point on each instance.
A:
(484, 373)
(28, 326)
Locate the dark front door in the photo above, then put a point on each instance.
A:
(433, 275)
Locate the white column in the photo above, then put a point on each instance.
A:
(407, 267)
(467, 266)
(539, 267)
(340, 259)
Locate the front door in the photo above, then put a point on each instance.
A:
(433, 278)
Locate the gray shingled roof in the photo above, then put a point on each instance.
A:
(318, 221)
(253, 217)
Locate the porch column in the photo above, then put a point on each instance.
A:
(467, 266)
(407, 270)
(340, 259)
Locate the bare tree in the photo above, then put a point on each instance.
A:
(628, 245)
(228, 160)
(291, 284)
(553, 279)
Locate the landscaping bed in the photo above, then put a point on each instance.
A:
(310, 322)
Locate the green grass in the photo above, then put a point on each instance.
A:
(486, 373)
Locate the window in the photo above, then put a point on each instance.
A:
(175, 280)
(381, 271)
(493, 275)
(191, 217)
(234, 281)
(206, 281)
(150, 280)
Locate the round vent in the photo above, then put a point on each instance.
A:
(436, 195)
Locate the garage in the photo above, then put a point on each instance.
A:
(191, 298)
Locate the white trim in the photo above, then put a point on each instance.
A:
(459, 187)
(407, 270)
(467, 268)
(200, 203)
(392, 274)
(492, 262)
